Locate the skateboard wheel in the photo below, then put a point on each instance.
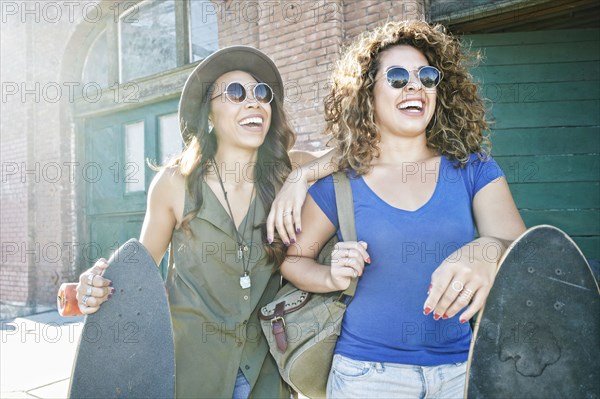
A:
(66, 301)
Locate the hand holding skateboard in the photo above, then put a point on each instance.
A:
(463, 279)
(93, 289)
(85, 297)
(131, 335)
(537, 336)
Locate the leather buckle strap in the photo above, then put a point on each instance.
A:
(278, 326)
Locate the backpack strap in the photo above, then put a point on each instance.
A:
(345, 208)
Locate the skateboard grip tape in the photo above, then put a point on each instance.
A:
(66, 301)
(132, 333)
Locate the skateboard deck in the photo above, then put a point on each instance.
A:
(126, 348)
(539, 333)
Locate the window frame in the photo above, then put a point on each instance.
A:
(183, 51)
(182, 19)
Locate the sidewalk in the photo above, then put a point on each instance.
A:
(36, 355)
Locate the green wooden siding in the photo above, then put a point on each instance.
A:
(544, 93)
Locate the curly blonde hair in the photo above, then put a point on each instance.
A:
(459, 123)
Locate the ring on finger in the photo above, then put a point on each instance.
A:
(354, 273)
(466, 294)
(88, 291)
(91, 279)
(85, 299)
(285, 213)
(457, 286)
(347, 253)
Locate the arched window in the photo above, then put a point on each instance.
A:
(151, 37)
(95, 69)
(147, 40)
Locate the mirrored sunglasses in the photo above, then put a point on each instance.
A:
(398, 77)
(236, 93)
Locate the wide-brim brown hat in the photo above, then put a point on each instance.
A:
(202, 78)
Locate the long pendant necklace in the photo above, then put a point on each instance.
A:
(242, 248)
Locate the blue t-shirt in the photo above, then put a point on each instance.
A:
(385, 321)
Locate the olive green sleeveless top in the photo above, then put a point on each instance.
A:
(215, 322)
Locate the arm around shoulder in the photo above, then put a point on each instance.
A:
(312, 166)
(300, 266)
(291, 196)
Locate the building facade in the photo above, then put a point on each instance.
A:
(90, 91)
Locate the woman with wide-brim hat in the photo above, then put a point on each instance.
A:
(211, 203)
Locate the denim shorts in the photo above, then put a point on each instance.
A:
(242, 387)
(350, 378)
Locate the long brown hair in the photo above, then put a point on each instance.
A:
(272, 167)
(459, 123)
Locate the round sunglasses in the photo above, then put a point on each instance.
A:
(236, 93)
(398, 77)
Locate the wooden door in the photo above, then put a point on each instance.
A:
(117, 176)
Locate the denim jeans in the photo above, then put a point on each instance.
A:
(242, 387)
(350, 378)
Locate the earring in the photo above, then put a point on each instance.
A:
(210, 127)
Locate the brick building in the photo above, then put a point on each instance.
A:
(90, 90)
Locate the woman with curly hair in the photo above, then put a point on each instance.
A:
(409, 126)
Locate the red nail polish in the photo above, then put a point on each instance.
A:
(427, 310)
(368, 260)
(436, 316)
(463, 321)
(445, 316)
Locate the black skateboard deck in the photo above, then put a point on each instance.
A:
(539, 333)
(126, 348)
